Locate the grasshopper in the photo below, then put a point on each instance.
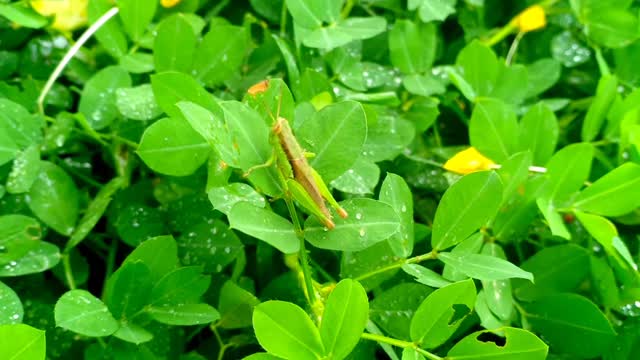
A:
(302, 182)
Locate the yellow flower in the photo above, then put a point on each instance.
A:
(69, 14)
(532, 18)
(169, 3)
(468, 161)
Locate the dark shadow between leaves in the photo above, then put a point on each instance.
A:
(460, 311)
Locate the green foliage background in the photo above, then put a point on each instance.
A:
(142, 216)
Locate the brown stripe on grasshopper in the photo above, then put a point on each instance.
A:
(302, 171)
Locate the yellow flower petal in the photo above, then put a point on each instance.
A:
(69, 14)
(169, 3)
(468, 161)
(532, 18)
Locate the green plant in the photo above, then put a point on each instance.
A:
(151, 209)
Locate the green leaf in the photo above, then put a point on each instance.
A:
(211, 126)
(174, 45)
(264, 225)
(19, 125)
(612, 27)
(395, 192)
(137, 63)
(498, 292)
(369, 263)
(465, 207)
(211, 244)
(128, 290)
(430, 10)
(369, 222)
(170, 146)
(220, 54)
(225, 197)
(553, 218)
(23, 15)
(110, 34)
(309, 14)
(488, 319)
(605, 94)
(335, 135)
(510, 84)
(98, 98)
(392, 309)
(602, 230)
(43, 257)
(22, 342)
(18, 235)
(470, 245)
(182, 285)
(83, 313)
(569, 50)
(24, 171)
(571, 324)
(423, 85)
(236, 306)
(159, 254)
(519, 344)
(137, 103)
(94, 212)
(425, 275)
(251, 136)
(11, 311)
(54, 198)
(441, 313)
(285, 330)
(483, 267)
(560, 268)
(407, 48)
(567, 170)
(184, 314)
(171, 87)
(493, 129)
(479, 68)
(345, 316)
(360, 179)
(542, 74)
(136, 223)
(8, 148)
(539, 133)
(133, 333)
(514, 172)
(604, 284)
(621, 184)
(136, 15)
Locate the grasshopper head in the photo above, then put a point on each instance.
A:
(277, 127)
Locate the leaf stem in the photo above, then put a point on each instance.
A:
(304, 260)
(416, 259)
(71, 53)
(399, 343)
(283, 19)
(68, 272)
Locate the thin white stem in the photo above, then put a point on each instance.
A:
(534, 169)
(513, 48)
(71, 53)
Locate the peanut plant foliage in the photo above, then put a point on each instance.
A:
(319, 179)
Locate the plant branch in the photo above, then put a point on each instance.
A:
(416, 259)
(71, 53)
(304, 260)
(68, 272)
(400, 343)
